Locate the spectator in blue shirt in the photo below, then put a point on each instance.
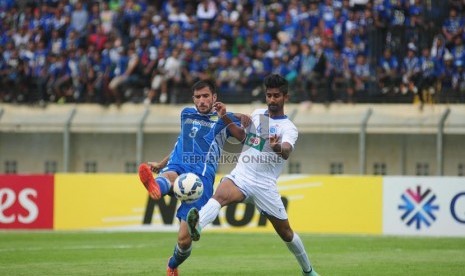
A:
(452, 27)
(388, 73)
(428, 76)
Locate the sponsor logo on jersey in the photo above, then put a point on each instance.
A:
(273, 130)
(255, 141)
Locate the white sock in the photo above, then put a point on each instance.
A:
(297, 248)
(209, 212)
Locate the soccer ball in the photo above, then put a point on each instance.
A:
(188, 187)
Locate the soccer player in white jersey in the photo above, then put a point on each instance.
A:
(268, 142)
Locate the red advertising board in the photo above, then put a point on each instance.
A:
(26, 201)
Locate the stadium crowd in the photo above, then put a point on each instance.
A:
(152, 51)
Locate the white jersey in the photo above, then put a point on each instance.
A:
(258, 162)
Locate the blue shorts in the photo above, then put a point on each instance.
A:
(208, 182)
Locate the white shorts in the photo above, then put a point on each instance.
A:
(267, 200)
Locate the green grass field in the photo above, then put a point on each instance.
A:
(146, 253)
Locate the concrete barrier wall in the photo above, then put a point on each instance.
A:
(402, 138)
(314, 152)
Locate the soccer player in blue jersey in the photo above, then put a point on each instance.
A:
(204, 130)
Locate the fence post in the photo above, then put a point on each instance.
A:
(140, 137)
(66, 140)
(440, 143)
(362, 141)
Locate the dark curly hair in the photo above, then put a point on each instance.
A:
(276, 81)
(205, 83)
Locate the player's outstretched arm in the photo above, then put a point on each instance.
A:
(281, 149)
(236, 131)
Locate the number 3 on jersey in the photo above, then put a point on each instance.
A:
(195, 128)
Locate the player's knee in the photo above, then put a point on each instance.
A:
(228, 193)
(184, 243)
(286, 234)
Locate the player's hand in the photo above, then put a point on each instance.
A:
(246, 121)
(274, 143)
(220, 109)
(274, 139)
(155, 166)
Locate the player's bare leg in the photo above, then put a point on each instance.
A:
(182, 250)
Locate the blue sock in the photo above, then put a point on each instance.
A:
(164, 184)
(179, 256)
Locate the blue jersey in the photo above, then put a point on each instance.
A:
(198, 149)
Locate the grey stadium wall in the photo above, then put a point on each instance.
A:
(397, 139)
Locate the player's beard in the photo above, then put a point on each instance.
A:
(204, 109)
(274, 108)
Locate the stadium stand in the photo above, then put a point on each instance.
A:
(117, 51)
